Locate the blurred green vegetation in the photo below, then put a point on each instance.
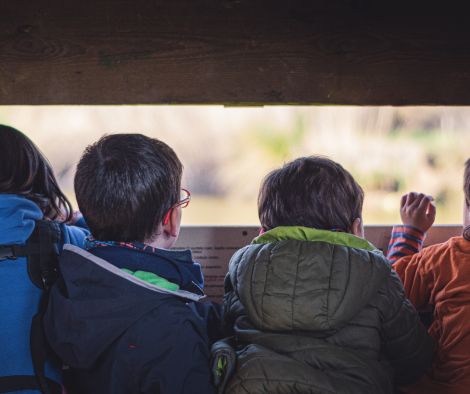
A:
(386, 162)
(227, 152)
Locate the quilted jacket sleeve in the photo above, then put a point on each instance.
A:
(406, 342)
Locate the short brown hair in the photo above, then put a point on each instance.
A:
(466, 183)
(125, 183)
(312, 192)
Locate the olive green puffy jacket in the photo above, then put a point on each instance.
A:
(320, 312)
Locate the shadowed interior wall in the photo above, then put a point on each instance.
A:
(234, 52)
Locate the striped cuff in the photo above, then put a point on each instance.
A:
(405, 240)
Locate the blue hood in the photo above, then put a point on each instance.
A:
(17, 218)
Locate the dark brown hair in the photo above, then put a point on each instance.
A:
(466, 183)
(125, 183)
(312, 192)
(25, 171)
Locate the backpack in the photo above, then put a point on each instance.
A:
(42, 253)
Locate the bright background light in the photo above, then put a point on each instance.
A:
(227, 151)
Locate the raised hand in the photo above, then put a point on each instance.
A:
(417, 210)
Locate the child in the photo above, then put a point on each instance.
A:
(438, 278)
(29, 196)
(125, 316)
(314, 306)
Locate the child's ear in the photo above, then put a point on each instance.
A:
(172, 228)
(357, 228)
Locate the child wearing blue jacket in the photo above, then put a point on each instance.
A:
(127, 314)
(28, 192)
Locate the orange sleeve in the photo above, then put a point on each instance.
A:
(418, 281)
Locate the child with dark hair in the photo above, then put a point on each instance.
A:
(126, 315)
(314, 306)
(29, 196)
(437, 279)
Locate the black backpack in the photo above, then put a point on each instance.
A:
(42, 253)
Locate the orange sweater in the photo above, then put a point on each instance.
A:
(439, 275)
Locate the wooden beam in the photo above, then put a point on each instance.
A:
(232, 52)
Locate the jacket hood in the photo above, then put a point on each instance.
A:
(17, 216)
(94, 303)
(176, 266)
(302, 279)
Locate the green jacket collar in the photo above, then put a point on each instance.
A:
(283, 233)
(153, 279)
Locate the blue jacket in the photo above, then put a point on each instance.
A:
(20, 298)
(120, 334)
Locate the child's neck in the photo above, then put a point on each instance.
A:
(161, 241)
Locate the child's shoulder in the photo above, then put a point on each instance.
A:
(456, 245)
(450, 244)
(447, 250)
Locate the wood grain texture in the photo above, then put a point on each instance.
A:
(232, 52)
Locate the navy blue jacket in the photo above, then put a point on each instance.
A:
(119, 334)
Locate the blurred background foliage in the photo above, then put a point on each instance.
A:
(227, 151)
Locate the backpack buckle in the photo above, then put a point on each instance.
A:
(7, 253)
(45, 283)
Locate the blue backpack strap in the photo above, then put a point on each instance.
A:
(41, 251)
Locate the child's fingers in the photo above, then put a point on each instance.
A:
(413, 197)
(431, 212)
(417, 201)
(403, 200)
(409, 198)
(424, 204)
